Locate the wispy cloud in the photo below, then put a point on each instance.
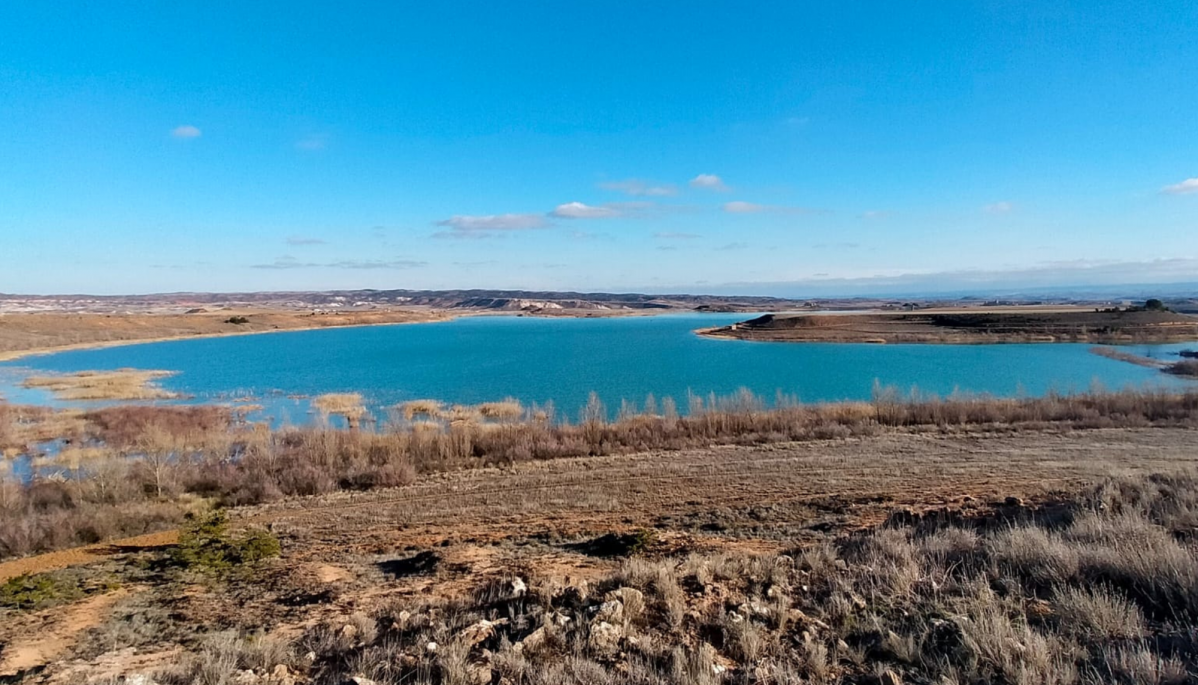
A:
(186, 131)
(578, 210)
(739, 207)
(312, 143)
(639, 188)
(301, 241)
(1109, 277)
(998, 208)
(1186, 187)
(673, 235)
(876, 214)
(709, 182)
(289, 262)
(836, 246)
(481, 226)
(732, 246)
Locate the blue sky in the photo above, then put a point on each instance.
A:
(774, 147)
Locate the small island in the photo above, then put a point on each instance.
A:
(1116, 325)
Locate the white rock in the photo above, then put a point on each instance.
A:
(605, 638)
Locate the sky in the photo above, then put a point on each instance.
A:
(775, 148)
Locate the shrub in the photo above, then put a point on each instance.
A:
(37, 591)
(206, 546)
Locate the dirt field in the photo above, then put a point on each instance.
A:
(348, 552)
(24, 334)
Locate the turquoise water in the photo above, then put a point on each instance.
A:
(478, 359)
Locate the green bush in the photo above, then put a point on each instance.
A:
(38, 591)
(237, 320)
(205, 545)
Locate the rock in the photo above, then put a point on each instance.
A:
(604, 638)
(533, 641)
(1040, 609)
(140, 679)
(799, 618)
(735, 618)
(403, 617)
(310, 657)
(281, 675)
(610, 612)
(717, 669)
(349, 632)
(362, 680)
(480, 631)
(431, 647)
(518, 588)
(559, 619)
(245, 677)
(632, 599)
(1013, 501)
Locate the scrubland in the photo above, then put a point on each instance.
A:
(907, 539)
(129, 470)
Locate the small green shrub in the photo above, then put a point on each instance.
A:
(37, 591)
(206, 546)
(237, 320)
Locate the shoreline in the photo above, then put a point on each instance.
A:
(15, 355)
(721, 333)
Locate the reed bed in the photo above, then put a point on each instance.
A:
(123, 470)
(122, 384)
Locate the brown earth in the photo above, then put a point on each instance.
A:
(968, 327)
(23, 334)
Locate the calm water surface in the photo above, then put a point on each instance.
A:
(478, 359)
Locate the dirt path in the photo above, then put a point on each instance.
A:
(52, 561)
(61, 626)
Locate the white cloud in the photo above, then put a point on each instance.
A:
(739, 207)
(708, 182)
(467, 224)
(186, 131)
(578, 210)
(637, 187)
(1186, 187)
(998, 208)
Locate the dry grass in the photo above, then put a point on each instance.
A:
(131, 469)
(347, 405)
(122, 384)
(828, 613)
